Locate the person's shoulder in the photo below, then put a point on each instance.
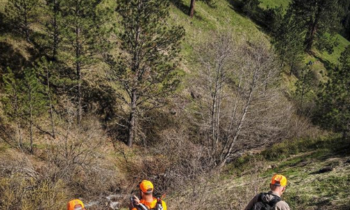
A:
(163, 202)
(282, 205)
(258, 195)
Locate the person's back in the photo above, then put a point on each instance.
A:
(267, 201)
(271, 200)
(151, 205)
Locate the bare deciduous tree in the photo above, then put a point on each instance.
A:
(240, 106)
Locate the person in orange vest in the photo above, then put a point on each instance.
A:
(75, 204)
(147, 201)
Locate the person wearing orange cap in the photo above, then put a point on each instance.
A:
(75, 204)
(272, 199)
(147, 201)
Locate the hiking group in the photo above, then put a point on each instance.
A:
(147, 201)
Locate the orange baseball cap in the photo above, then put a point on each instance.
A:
(146, 186)
(73, 203)
(279, 180)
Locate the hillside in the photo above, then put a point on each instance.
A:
(301, 161)
(231, 121)
(225, 18)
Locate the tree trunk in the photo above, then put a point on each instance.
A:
(227, 154)
(133, 95)
(50, 101)
(26, 25)
(132, 118)
(344, 135)
(224, 156)
(79, 109)
(19, 135)
(191, 12)
(55, 33)
(31, 121)
(310, 38)
(78, 65)
(213, 116)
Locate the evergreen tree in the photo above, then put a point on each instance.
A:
(346, 18)
(34, 100)
(24, 101)
(317, 19)
(147, 68)
(81, 24)
(273, 18)
(53, 27)
(304, 88)
(48, 77)
(22, 14)
(288, 44)
(251, 7)
(12, 100)
(334, 99)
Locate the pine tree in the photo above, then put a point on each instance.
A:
(24, 101)
(53, 27)
(288, 44)
(81, 24)
(147, 68)
(12, 101)
(304, 88)
(317, 19)
(345, 18)
(334, 99)
(48, 76)
(22, 14)
(250, 7)
(34, 100)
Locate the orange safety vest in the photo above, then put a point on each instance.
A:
(151, 205)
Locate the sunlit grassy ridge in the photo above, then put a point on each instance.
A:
(300, 161)
(324, 56)
(208, 19)
(274, 3)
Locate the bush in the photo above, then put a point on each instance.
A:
(19, 192)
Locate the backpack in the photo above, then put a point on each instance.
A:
(262, 205)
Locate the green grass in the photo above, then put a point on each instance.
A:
(334, 57)
(4, 147)
(298, 160)
(2, 5)
(274, 3)
(212, 19)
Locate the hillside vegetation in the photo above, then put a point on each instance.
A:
(302, 161)
(208, 108)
